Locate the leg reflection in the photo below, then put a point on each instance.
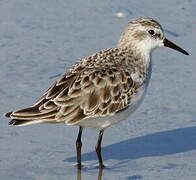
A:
(100, 174)
(79, 174)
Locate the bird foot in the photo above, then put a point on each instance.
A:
(102, 166)
(79, 166)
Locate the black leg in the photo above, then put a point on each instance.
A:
(98, 150)
(79, 147)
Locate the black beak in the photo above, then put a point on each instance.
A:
(170, 44)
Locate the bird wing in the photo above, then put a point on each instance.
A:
(82, 93)
(95, 92)
(103, 92)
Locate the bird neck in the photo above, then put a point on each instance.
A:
(138, 53)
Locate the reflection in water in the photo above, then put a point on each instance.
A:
(79, 175)
(99, 176)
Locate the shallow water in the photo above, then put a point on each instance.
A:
(39, 40)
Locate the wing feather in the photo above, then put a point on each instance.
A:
(103, 92)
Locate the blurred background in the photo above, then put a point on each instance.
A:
(39, 40)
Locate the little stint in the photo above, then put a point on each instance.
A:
(102, 89)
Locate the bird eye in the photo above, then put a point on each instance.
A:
(151, 32)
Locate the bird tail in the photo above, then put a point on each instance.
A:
(31, 115)
(20, 122)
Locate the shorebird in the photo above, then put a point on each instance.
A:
(102, 89)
